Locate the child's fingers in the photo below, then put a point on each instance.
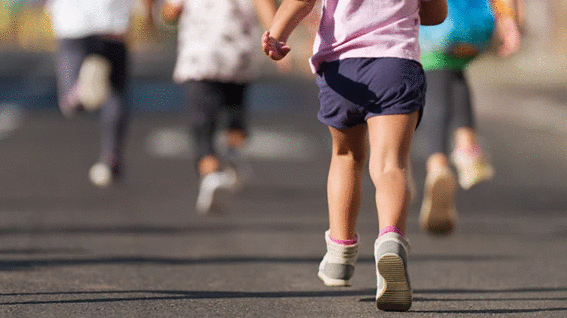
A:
(275, 56)
(285, 49)
(265, 36)
(274, 49)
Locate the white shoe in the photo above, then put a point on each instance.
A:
(209, 189)
(438, 214)
(101, 175)
(337, 266)
(393, 291)
(473, 167)
(93, 85)
(241, 174)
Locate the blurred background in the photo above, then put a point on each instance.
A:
(27, 78)
(27, 45)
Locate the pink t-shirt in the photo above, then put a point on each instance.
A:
(367, 28)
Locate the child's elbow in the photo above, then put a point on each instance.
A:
(434, 19)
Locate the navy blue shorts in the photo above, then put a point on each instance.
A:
(355, 89)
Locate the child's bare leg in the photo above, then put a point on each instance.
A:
(465, 139)
(235, 138)
(390, 143)
(436, 161)
(344, 186)
(208, 164)
(344, 192)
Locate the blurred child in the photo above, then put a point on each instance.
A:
(372, 91)
(217, 60)
(446, 51)
(92, 71)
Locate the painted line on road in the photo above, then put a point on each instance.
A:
(263, 144)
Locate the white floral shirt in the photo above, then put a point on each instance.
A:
(217, 40)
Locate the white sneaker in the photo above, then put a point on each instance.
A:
(438, 214)
(93, 85)
(393, 291)
(337, 266)
(473, 167)
(241, 174)
(101, 175)
(209, 189)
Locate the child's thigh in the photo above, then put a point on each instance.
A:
(390, 137)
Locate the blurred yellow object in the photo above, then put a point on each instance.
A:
(35, 32)
(4, 19)
(503, 9)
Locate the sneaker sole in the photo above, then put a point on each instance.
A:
(212, 206)
(100, 176)
(437, 215)
(94, 82)
(333, 282)
(397, 294)
(204, 206)
(486, 173)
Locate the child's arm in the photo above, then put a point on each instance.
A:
(171, 11)
(265, 10)
(433, 12)
(506, 27)
(287, 18)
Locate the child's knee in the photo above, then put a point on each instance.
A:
(355, 157)
(392, 170)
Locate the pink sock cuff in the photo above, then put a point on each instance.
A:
(345, 242)
(389, 229)
(475, 150)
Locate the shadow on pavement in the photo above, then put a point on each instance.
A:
(180, 295)
(16, 265)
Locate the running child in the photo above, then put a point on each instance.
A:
(93, 72)
(447, 49)
(372, 92)
(217, 60)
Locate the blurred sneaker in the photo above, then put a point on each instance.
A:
(241, 172)
(209, 189)
(93, 84)
(472, 167)
(438, 214)
(103, 175)
(337, 266)
(72, 103)
(393, 292)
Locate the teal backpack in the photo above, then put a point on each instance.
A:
(468, 22)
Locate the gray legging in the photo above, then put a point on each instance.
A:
(447, 106)
(114, 113)
(205, 102)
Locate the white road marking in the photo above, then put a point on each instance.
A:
(263, 144)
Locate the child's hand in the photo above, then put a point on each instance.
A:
(273, 48)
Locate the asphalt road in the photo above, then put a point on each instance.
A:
(139, 249)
